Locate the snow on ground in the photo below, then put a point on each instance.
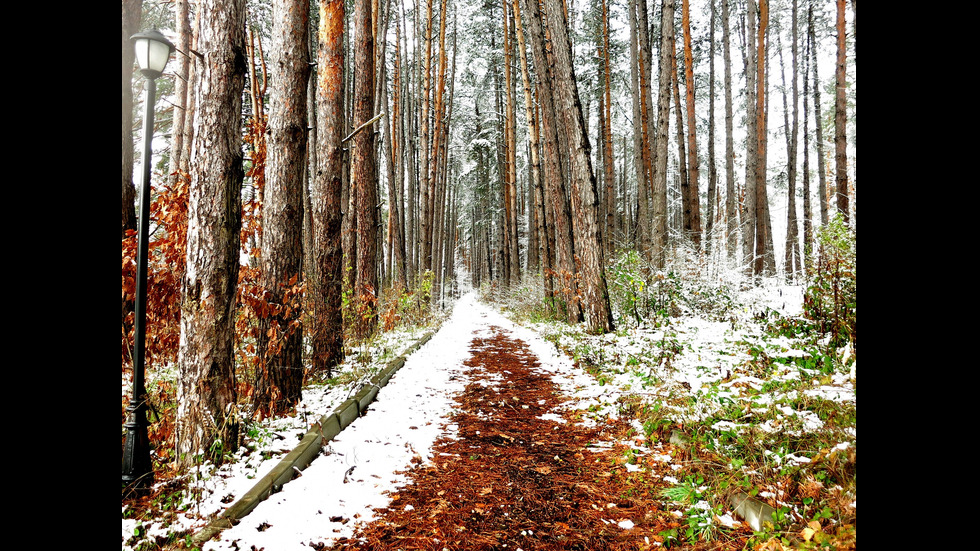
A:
(357, 470)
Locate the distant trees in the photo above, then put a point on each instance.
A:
(384, 172)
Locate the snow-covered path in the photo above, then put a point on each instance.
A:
(367, 460)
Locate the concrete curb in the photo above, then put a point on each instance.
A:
(309, 447)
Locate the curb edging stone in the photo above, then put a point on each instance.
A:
(321, 432)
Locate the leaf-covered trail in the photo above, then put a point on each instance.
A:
(519, 473)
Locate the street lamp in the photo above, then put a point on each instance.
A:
(152, 53)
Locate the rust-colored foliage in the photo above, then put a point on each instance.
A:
(512, 479)
(165, 270)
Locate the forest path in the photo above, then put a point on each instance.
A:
(518, 471)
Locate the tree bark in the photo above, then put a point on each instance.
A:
(207, 419)
(365, 171)
(659, 191)
(692, 214)
(608, 159)
(751, 140)
(765, 260)
(588, 250)
(553, 168)
(328, 331)
(540, 218)
(279, 379)
(712, 169)
(731, 205)
(817, 118)
(510, 208)
(840, 117)
(791, 256)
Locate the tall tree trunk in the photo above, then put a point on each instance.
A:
(364, 171)
(554, 170)
(640, 157)
(765, 263)
(543, 253)
(207, 419)
(437, 177)
(649, 140)
(180, 117)
(840, 117)
(731, 205)
(684, 216)
(187, 142)
(425, 214)
(817, 118)
(807, 208)
(583, 189)
(712, 169)
(608, 159)
(328, 331)
(692, 214)
(659, 191)
(279, 379)
(792, 256)
(511, 149)
(396, 219)
(749, 224)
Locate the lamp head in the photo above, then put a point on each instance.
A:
(152, 52)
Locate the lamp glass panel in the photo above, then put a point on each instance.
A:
(159, 54)
(142, 52)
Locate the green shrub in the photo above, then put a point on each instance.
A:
(831, 298)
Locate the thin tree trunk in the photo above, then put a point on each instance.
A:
(792, 256)
(817, 118)
(608, 159)
(365, 172)
(643, 177)
(685, 216)
(183, 59)
(840, 117)
(712, 169)
(511, 139)
(807, 207)
(659, 192)
(731, 205)
(692, 222)
(425, 215)
(649, 140)
(765, 263)
(540, 218)
(751, 140)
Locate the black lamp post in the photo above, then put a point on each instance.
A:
(152, 53)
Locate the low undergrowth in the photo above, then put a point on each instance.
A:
(404, 315)
(749, 393)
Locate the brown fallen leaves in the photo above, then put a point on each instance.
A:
(511, 480)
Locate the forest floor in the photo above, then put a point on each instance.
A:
(520, 473)
(516, 432)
